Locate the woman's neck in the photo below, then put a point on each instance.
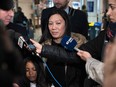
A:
(57, 40)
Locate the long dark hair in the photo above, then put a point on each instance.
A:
(46, 35)
(40, 80)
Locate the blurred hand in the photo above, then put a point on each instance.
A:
(37, 45)
(110, 65)
(15, 85)
(84, 55)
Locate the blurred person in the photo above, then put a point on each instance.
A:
(7, 14)
(110, 54)
(68, 72)
(78, 19)
(10, 59)
(110, 64)
(31, 29)
(97, 49)
(34, 75)
(84, 9)
(20, 18)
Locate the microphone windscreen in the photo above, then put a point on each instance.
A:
(17, 35)
(14, 35)
(68, 43)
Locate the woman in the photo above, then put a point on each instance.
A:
(67, 69)
(33, 75)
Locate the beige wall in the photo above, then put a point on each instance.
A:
(26, 7)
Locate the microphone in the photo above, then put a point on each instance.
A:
(69, 43)
(21, 41)
(27, 44)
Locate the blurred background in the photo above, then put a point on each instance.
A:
(33, 8)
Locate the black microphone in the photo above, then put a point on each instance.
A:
(69, 43)
(21, 41)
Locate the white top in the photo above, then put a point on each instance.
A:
(95, 70)
(32, 84)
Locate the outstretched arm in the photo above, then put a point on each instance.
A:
(57, 53)
(94, 68)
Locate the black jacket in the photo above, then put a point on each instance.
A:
(75, 74)
(21, 30)
(17, 28)
(78, 20)
(96, 46)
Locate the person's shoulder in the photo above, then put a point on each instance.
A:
(77, 11)
(17, 28)
(48, 9)
(14, 26)
(81, 12)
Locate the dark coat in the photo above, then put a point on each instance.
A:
(78, 19)
(17, 28)
(21, 30)
(96, 48)
(75, 68)
(10, 59)
(57, 58)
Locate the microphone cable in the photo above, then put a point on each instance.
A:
(49, 70)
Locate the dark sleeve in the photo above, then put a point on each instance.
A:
(79, 23)
(95, 46)
(60, 54)
(17, 28)
(84, 25)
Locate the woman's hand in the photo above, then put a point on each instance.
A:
(37, 45)
(84, 55)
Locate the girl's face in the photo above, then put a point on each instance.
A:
(31, 72)
(56, 26)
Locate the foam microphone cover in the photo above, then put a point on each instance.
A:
(68, 43)
(13, 35)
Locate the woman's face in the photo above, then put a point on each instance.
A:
(56, 26)
(31, 72)
(112, 10)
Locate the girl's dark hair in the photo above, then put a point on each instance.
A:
(46, 35)
(40, 81)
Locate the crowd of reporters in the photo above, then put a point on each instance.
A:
(25, 67)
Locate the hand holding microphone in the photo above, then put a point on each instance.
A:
(37, 46)
(70, 44)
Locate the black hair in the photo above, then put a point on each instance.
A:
(46, 35)
(40, 80)
(6, 4)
